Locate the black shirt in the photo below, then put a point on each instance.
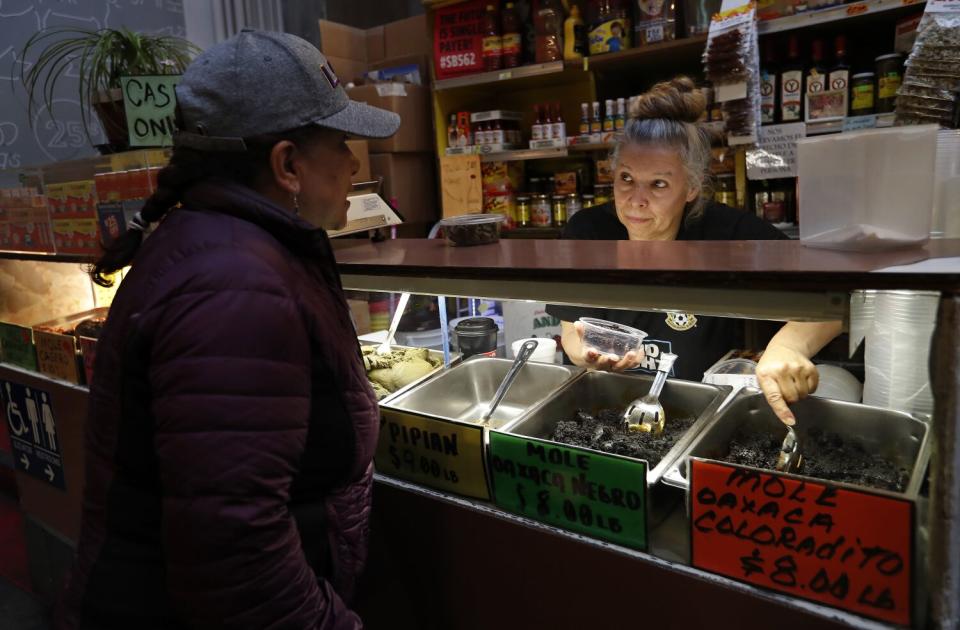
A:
(698, 341)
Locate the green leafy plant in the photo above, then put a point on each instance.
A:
(100, 58)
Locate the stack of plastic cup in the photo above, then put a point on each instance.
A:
(862, 309)
(898, 351)
(946, 192)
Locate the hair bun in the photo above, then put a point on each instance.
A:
(677, 99)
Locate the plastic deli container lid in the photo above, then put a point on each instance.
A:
(620, 328)
(890, 56)
(474, 219)
(862, 75)
(476, 327)
(733, 366)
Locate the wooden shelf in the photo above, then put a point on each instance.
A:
(591, 146)
(676, 52)
(836, 14)
(501, 76)
(522, 155)
(55, 258)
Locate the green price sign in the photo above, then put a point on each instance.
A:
(592, 493)
(16, 346)
(150, 104)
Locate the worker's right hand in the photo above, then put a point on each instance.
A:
(593, 360)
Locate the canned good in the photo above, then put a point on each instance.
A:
(523, 211)
(602, 192)
(540, 211)
(862, 94)
(559, 211)
(588, 201)
(889, 77)
(573, 205)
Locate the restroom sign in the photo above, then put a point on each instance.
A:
(33, 432)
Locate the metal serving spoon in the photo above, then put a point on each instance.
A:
(526, 350)
(646, 414)
(384, 348)
(790, 459)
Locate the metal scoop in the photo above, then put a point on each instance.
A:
(384, 348)
(525, 351)
(790, 459)
(646, 414)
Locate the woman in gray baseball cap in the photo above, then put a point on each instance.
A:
(231, 428)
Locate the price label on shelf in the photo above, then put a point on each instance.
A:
(850, 549)
(600, 495)
(433, 452)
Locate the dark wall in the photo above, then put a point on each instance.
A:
(300, 16)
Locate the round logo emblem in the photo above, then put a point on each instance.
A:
(792, 85)
(681, 321)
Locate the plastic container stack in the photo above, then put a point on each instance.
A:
(898, 351)
(946, 192)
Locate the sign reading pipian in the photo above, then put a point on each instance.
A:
(150, 104)
(33, 432)
(846, 548)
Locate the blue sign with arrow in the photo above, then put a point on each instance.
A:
(33, 432)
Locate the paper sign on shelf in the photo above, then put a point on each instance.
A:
(851, 549)
(150, 104)
(600, 495)
(57, 355)
(367, 212)
(16, 346)
(433, 452)
(776, 153)
(458, 39)
(856, 123)
(461, 185)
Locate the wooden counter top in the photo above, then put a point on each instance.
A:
(782, 265)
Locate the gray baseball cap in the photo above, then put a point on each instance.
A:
(261, 82)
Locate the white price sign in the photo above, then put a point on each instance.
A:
(776, 152)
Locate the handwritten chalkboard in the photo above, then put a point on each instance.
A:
(845, 548)
(585, 491)
(37, 138)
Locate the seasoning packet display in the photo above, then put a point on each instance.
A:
(931, 86)
(732, 63)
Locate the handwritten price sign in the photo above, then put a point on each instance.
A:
(844, 548)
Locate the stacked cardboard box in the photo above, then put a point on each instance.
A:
(406, 162)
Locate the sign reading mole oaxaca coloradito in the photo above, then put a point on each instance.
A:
(846, 548)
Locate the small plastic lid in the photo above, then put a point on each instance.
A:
(476, 327)
(614, 326)
(666, 361)
(890, 56)
(474, 219)
(733, 366)
(863, 75)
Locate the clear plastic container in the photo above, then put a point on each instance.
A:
(611, 338)
(868, 190)
(473, 229)
(737, 373)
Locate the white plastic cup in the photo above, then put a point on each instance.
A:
(546, 351)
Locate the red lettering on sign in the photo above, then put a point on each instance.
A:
(849, 549)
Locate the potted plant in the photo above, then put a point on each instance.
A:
(100, 57)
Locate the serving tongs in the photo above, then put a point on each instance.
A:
(790, 459)
(526, 350)
(646, 414)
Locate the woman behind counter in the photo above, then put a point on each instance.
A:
(661, 184)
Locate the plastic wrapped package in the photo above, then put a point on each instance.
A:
(731, 61)
(934, 64)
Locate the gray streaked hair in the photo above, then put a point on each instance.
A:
(692, 143)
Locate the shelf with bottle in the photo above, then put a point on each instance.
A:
(836, 13)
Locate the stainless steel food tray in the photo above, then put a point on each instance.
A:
(434, 354)
(463, 392)
(900, 436)
(594, 391)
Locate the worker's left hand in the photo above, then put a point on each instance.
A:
(785, 376)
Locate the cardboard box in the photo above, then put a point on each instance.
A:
(409, 182)
(362, 153)
(412, 102)
(376, 44)
(422, 62)
(345, 42)
(407, 37)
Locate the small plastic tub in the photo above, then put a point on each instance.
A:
(472, 229)
(611, 338)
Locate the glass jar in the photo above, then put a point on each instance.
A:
(862, 94)
(603, 193)
(523, 211)
(559, 211)
(726, 192)
(889, 77)
(573, 205)
(588, 202)
(540, 211)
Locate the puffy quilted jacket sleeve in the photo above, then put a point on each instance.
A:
(230, 379)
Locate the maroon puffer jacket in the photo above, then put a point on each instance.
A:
(229, 397)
